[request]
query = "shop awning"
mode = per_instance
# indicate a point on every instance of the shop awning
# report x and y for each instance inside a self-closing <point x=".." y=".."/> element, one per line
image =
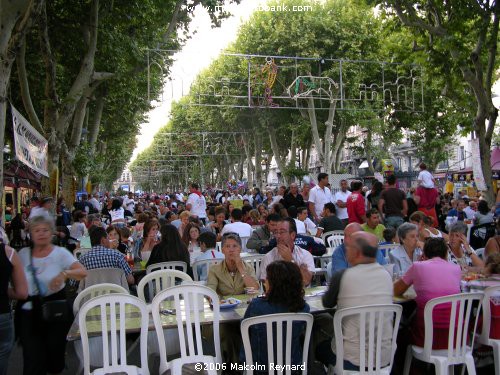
<point x="17" y="175"/>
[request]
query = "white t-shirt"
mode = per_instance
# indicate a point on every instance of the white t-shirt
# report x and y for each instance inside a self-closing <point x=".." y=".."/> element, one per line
<point x="180" y="197"/>
<point x="301" y="227"/>
<point x="117" y="214"/>
<point x="310" y="226"/>
<point x="299" y="256"/>
<point x="243" y="229"/>
<point x="46" y="269"/>
<point x="77" y="230"/>
<point x="425" y="178"/>
<point x="319" y="197"/>
<point x="129" y="204"/>
<point x="198" y="205"/>
<point x="341" y="196"/>
<point x="364" y="284"/>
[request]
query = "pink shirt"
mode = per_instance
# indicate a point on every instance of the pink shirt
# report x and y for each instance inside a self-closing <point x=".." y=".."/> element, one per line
<point x="433" y="278"/>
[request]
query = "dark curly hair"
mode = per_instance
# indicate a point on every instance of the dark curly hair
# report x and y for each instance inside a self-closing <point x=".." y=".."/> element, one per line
<point x="285" y="285"/>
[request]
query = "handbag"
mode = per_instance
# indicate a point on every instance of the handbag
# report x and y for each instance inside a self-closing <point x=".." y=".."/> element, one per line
<point x="51" y="310"/>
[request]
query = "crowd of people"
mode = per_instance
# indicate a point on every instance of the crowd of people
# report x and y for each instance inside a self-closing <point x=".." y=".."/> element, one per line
<point x="286" y="225"/>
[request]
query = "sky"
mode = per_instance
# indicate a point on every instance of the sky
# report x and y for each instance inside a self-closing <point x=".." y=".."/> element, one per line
<point x="197" y="54"/>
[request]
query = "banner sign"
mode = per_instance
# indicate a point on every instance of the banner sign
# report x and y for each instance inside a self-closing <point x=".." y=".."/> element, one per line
<point x="31" y="147"/>
<point x="476" y="165"/>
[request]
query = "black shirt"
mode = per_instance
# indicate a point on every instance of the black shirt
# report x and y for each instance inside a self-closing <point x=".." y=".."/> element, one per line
<point x="290" y="200"/>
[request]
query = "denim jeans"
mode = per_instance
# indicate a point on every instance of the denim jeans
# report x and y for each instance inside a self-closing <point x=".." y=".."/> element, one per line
<point x="6" y="340"/>
<point x="393" y="221"/>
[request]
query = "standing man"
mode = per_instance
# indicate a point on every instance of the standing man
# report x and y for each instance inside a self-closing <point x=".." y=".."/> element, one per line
<point x="392" y="204"/>
<point x="129" y="203"/>
<point x="293" y="197"/>
<point x="356" y="207"/>
<point x="196" y="203"/>
<point x="340" y="201"/>
<point x="287" y="250"/>
<point x="319" y="196"/>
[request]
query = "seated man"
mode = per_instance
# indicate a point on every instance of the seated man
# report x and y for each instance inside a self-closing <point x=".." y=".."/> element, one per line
<point x="302" y="215"/>
<point x="101" y="256"/>
<point x="207" y="245"/>
<point x="260" y="237"/>
<point x="242" y="229"/>
<point x="373" y="225"/>
<point x="365" y="283"/>
<point x="329" y="220"/>
<point x="287" y="250"/>
<point x="339" y="256"/>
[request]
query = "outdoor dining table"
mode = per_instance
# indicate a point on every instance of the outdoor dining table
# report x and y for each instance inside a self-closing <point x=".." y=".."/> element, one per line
<point x="313" y="297"/>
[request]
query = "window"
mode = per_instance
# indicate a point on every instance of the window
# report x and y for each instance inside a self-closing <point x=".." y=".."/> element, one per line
<point x="461" y="154"/>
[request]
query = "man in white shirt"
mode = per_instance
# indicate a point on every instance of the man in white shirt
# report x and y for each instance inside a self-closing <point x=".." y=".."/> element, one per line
<point x="365" y="283"/>
<point x="470" y="210"/>
<point x="197" y="204"/>
<point x="236" y="226"/>
<point x="129" y="203"/>
<point x="94" y="201"/>
<point x="340" y="201"/>
<point x="310" y="227"/>
<point x="318" y="196"/>
<point x="287" y="250"/>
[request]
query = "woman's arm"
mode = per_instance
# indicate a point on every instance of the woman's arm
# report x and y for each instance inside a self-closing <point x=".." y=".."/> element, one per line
<point x="19" y="282"/>
<point x="400" y="287"/>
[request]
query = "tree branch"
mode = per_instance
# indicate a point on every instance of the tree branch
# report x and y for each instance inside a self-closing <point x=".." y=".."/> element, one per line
<point x="101" y="76"/>
<point x="413" y="20"/>
<point x="96" y="123"/>
<point x="173" y="22"/>
<point x="492" y="50"/>
<point x="25" y="89"/>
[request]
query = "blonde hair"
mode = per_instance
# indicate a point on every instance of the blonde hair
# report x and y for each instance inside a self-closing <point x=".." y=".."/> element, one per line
<point x="184" y="214"/>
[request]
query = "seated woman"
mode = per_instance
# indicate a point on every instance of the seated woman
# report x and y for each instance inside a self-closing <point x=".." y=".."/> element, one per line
<point x="231" y="276"/>
<point x="460" y="252"/>
<point x="219" y="222"/>
<point x="284" y="293"/>
<point x="170" y="248"/>
<point x="425" y="226"/>
<point x="190" y="237"/>
<point x="117" y="213"/>
<point x="432" y="278"/>
<point x="409" y="252"/>
<point x="483" y="214"/>
<point x="493" y="244"/>
<point x="144" y="246"/>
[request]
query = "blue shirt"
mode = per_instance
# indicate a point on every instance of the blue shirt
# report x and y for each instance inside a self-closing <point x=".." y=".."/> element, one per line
<point x="258" y="335"/>
<point x="339" y="260"/>
<point x="202" y="269"/>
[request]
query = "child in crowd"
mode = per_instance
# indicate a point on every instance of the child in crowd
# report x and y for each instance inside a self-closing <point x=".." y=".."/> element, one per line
<point x="425" y="178"/>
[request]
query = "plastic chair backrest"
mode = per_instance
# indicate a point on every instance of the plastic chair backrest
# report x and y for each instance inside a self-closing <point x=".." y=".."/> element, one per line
<point x="113" y="331"/>
<point x="462" y="306"/>
<point x="159" y="280"/>
<point x="94" y="291"/>
<point x="337" y="233"/>
<point x="485" y="332"/>
<point x="99" y="276"/>
<point x="204" y="263"/>
<point x="254" y="261"/>
<point x="167" y="266"/>
<point x="335" y="240"/>
<point x="186" y="300"/>
<point x="276" y="326"/>
<point x="373" y="319"/>
<point x="244" y="240"/>
<point x="386" y="250"/>
<point x="218" y="246"/>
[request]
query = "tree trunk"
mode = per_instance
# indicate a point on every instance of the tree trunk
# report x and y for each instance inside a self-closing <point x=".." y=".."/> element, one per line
<point x="276" y="152"/>
<point x="258" y="159"/>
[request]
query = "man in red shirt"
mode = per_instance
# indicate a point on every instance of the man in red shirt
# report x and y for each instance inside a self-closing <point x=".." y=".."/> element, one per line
<point x="356" y="204"/>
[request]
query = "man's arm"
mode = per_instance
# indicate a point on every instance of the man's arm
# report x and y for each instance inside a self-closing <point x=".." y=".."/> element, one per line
<point x="306" y="274"/>
<point x="331" y="296"/>
<point x="339" y="262"/>
<point x="405" y="207"/>
<point x="313" y="211"/>
<point x="380" y="205"/>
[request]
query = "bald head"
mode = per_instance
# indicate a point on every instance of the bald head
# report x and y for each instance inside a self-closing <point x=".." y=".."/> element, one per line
<point x="362" y="248"/>
<point x="349" y="231"/>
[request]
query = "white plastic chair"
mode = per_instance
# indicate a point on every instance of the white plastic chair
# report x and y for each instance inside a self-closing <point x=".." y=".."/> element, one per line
<point x="94" y="291"/>
<point x="386" y="250"/>
<point x="204" y="263"/>
<point x="244" y="241"/>
<point x="190" y="337"/>
<point x="458" y="352"/>
<point x="278" y="327"/>
<point x="158" y="281"/>
<point x="374" y="323"/>
<point x="114" y="341"/>
<point x="333" y="238"/>
<point x="167" y="266"/>
<point x="254" y="260"/>
<point x="484" y="338"/>
<point x="218" y="246"/>
<point x="95" y="343"/>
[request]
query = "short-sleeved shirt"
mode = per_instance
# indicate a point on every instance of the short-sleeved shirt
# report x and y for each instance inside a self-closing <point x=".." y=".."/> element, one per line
<point x="220" y="279"/>
<point x="330" y="223"/>
<point x="117" y="214"/>
<point x="101" y="257"/>
<point x="242" y="229"/>
<point x="399" y="257"/>
<point x="393" y="198"/>
<point x="341" y="196"/>
<point x="319" y="197"/>
<point x="299" y="256"/>
<point x="356" y="208"/>
<point x="208" y="254"/>
<point x="45" y="269"/>
<point x="378" y="231"/>
<point x="198" y="205"/>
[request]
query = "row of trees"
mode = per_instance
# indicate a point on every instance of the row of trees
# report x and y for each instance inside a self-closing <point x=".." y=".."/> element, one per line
<point x="78" y="71"/>
<point x="457" y="65"/>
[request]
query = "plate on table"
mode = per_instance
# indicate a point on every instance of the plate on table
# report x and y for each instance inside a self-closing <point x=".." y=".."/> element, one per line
<point x="229" y="303"/>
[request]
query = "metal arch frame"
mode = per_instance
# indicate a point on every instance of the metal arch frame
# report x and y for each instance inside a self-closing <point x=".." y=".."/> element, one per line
<point x="409" y="94"/>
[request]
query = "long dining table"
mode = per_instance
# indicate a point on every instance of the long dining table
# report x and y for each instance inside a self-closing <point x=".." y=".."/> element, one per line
<point x="313" y="297"/>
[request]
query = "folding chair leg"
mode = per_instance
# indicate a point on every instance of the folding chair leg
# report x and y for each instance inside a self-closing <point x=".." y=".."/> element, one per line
<point x="471" y="368"/>
<point x="408" y="359"/>
<point x="441" y="367"/>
